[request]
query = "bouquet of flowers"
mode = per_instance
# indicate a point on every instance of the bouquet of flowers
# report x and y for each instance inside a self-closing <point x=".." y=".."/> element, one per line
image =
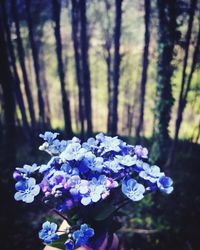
<point x="86" y="183"/>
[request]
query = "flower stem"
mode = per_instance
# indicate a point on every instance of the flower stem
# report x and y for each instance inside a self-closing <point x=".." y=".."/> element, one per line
<point x="63" y="216"/>
<point x="120" y="206"/>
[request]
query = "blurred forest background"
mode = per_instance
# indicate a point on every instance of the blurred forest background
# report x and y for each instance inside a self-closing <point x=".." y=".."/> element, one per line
<point x="127" y="67"/>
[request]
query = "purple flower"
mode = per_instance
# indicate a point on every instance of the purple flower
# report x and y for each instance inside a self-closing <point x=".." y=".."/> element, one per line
<point x="141" y="152"/>
<point x="81" y="236"/>
<point x="165" y="183"/>
<point x="26" y="190"/>
<point x="133" y="190"/>
<point x="48" y="232"/>
<point x="58" y="177"/>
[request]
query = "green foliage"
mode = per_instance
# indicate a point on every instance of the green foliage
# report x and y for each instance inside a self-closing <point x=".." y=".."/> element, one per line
<point x="106" y="212"/>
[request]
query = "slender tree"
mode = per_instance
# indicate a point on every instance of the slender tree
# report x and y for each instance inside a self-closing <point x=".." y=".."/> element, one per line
<point x="116" y="66"/>
<point x="198" y="134"/>
<point x="107" y="46"/>
<point x="139" y="128"/>
<point x="164" y="100"/>
<point x="85" y="66"/>
<point x="185" y="86"/>
<point x="17" y="88"/>
<point x="21" y="55"/>
<point x="44" y="85"/>
<point x="65" y="99"/>
<point x="35" y="62"/>
<point x="8" y="153"/>
<point x="77" y="59"/>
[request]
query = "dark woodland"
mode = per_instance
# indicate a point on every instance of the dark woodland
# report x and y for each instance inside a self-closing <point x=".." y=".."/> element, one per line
<point x="121" y="67"/>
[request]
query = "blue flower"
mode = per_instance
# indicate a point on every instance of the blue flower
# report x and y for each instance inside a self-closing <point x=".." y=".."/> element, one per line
<point x="54" y="147"/>
<point x="126" y="160"/>
<point x="73" y="151"/>
<point x="139" y="165"/>
<point x="66" y="167"/>
<point x="48" y="232"/>
<point x="81" y="236"/>
<point x="92" y="162"/>
<point x="27" y="169"/>
<point x="113" y="165"/>
<point x="48" y="136"/>
<point x="133" y="190"/>
<point x="165" y="183"/>
<point x="110" y="144"/>
<point x="53" y="163"/>
<point x="69" y="245"/>
<point x="63" y="145"/>
<point x="91" y="144"/>
<point x="27" y="190"/>
<point x="150" y="173"/>
<point x="77" y="186"/>
<point x="97" y="187"/>
<point x="57" y="147"/>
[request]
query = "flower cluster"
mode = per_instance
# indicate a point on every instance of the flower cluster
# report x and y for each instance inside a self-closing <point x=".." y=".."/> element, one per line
<point x="81" y="174"/>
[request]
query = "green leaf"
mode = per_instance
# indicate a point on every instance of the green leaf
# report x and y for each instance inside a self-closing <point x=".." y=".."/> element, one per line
<point x="60" y="243"/>
<point x="105" y="213"/>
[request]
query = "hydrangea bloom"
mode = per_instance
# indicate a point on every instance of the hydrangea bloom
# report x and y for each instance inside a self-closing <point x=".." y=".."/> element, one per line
<point x="133" y="190"/>
<point x="81" y="236"/>
<point x="26" y="190"/>
<point x="48" y="232"/>
<point x="82" y="177"/>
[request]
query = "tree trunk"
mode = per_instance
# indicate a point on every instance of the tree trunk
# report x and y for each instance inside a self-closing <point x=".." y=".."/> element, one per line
<point x="185" y="86"/>
<point x="144" y="68"/>
<point x="18" y="93"/>
<point x="164" y="101"/>
<point x="116" y="66"/>
<point x="108" y="38"/>
<point x="198" y="134"/>
<point x="85" y="66"/>
<point x="8" y="149"/>
<point x="35" y="63"/>
<point x="110" y="88"/>
<point x="45" y="86"/>
<point x="21" y="55"/>
<point x="65" y="99"/>
<point x="75" y="38"/>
